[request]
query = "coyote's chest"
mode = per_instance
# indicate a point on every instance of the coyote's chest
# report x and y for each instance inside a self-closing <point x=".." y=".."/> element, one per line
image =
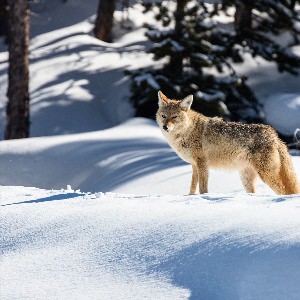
<point x="181" y="146"/>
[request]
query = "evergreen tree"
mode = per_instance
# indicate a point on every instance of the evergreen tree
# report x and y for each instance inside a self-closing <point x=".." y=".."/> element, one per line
<point x="256" y="32"/>
<point x="198" y="56"/>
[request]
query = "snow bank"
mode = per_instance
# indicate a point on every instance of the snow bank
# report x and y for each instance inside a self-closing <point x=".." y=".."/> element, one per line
<point x="130" y="158"/>
<point x="68" y="245"/>
<point x="283" y="112"/>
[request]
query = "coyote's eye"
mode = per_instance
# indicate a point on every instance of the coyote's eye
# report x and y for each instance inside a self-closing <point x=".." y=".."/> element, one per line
<point x="163" y="116"/>
<point x="174" y="117"/>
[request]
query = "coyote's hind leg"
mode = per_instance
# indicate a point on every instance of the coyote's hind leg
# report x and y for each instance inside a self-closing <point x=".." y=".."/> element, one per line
<point x="248" y="176"/>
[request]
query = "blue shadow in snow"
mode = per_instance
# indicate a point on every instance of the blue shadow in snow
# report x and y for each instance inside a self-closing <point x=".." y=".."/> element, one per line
<point x="58" y="197"/>
<point x="217" y="269"/>
<point x="88" y="165"/>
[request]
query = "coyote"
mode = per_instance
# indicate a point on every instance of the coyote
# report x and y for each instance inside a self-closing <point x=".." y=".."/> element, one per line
<point x="253" y="149"/>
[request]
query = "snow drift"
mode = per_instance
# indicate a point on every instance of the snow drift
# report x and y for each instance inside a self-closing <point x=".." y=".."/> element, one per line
<point x="68" y="245"/>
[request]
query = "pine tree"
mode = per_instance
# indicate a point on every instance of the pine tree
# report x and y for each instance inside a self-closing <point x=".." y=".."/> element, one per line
<point x="256" y="32"/>
<point x="198" y="57"/>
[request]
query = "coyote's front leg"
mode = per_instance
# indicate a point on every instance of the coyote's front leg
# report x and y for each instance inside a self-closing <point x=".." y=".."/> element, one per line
<point x="202" y="169"/>
<point x="195" y="180"/>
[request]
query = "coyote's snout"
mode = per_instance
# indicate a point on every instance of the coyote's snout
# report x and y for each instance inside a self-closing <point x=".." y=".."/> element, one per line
<point x="168" y="127"/>
<point x="254" y="149"/>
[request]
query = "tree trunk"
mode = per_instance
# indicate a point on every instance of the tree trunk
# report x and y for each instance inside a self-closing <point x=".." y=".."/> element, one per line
<point x="243" y="17"/>
<point x="176" y="61"/>
<point x="17" y="110"/>
<point x="293" y="4"/>
<point x="3" y="18"/>
<point x="104" y="20"/>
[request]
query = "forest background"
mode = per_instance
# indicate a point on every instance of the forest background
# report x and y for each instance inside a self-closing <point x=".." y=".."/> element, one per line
<point x="197" y="47"/>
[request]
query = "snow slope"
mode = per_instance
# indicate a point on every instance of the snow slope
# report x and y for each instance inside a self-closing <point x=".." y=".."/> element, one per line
<point x="62" y="244"/>
<point x="278" y="107"/>
<point x="130" y="158"/>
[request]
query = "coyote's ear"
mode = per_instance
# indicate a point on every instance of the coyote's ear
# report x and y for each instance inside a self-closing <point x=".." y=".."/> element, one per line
<point x="186" y="103"/>
<point x="162" y="99"/>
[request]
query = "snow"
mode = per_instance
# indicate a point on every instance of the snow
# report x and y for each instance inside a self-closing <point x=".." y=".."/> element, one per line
<point x="95" y="204"/>
<point x="120" y="159"/>
<point x="280" y="107"/>
<point x="208" y="97"/>
<point x="67" y="245"/>
<point x="149" y="79"/>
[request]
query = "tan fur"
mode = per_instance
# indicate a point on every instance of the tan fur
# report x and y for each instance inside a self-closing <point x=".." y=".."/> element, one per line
<point x="254" y="149"/>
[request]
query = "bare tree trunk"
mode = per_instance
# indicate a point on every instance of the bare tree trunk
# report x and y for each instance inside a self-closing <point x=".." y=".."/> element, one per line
<point x="293" y="4"/>
<point x="176" y="62"/>
<point x="3" y="18"/>
<point x="243" y="16"/>
<point x="104" y="20"/>
<point x="17" y="110"/>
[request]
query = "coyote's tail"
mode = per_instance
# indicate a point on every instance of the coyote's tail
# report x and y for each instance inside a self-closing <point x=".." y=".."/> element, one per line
<point x="287" y="173"/>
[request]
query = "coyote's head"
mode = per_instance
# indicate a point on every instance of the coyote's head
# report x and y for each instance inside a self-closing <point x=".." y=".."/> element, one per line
<point x="172" y="114"/>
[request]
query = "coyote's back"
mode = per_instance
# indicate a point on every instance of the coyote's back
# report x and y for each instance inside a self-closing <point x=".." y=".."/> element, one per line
<point x="254" y="149"/>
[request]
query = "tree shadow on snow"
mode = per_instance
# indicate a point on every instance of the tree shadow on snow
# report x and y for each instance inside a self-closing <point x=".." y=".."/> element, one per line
<point x="90" y="165"/>
<point x="95" y="98"/>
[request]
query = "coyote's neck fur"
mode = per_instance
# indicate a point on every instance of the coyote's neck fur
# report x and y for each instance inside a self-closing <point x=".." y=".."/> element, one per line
<point x="182" y="138"/>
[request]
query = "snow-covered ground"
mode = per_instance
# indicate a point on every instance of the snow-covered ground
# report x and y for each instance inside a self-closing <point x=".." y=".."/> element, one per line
<point x="130" y="158"/>
<point x="62" y="244"/>
<point x="137" y="235"/>
<point x="68" y="245"/>
<point x="277" y="113"/>
<point x="104" y="214"/>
